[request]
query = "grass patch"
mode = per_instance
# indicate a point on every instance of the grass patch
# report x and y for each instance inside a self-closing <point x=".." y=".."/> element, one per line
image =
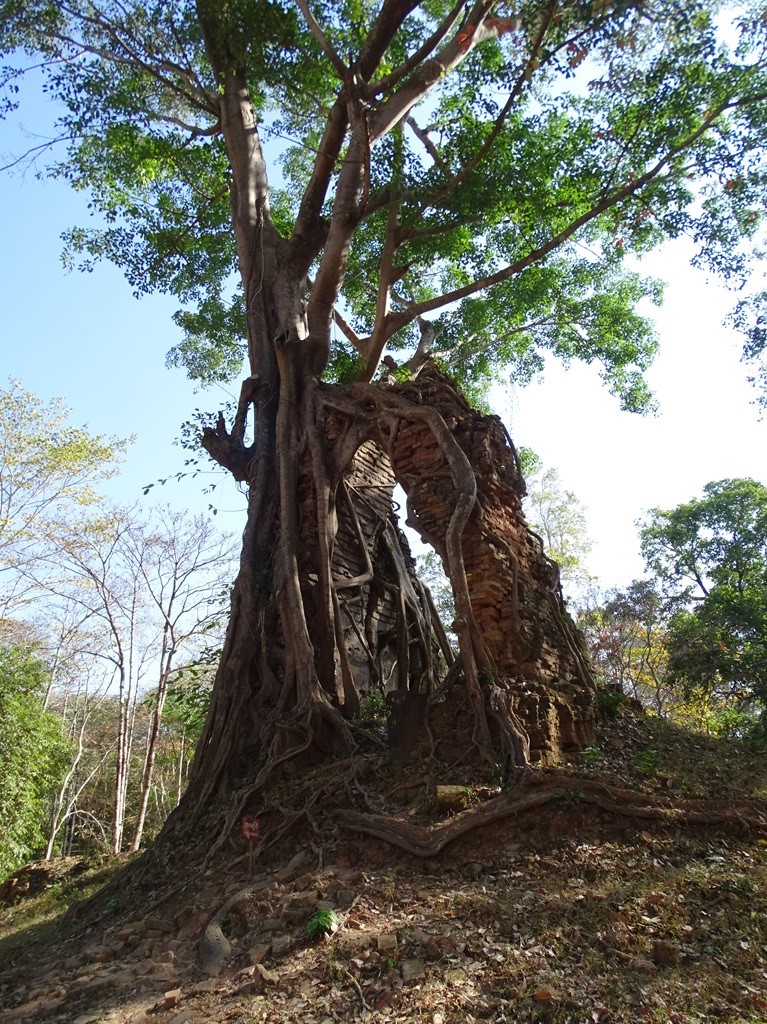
<point x="37" y="917"/>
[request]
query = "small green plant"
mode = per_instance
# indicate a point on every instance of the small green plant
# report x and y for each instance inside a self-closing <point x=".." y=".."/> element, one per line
<point x="322" y="922"/>
<point x="740" y="885"/>
<point x="371" y="722"/>
<point x="648" y="761"/>
<point x="593" y="755"/>
<point x="610" y="702"/>
<point x="373" y="713"/>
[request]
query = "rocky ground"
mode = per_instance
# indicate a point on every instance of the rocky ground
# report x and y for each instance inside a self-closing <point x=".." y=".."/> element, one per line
<point x="565" y="914"/>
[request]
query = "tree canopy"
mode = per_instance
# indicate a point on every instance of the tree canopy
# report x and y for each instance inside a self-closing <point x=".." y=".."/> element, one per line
<point x="47" y="467"/>
<point x="33" y="753"/>
<point x="709" y="555"/>
<point x="467" y="179"/>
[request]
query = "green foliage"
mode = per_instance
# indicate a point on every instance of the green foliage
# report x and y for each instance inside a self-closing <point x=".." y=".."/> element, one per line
<point x="648" y="761"/>
<point x="750" y="318"/>
<point x="322" y="922"/>
<point x="46" y="467"/>
<point x="611" y="702"/>
<point x="530" y="461"/>
<point x="518" y="180"/>
<point x="710" y="555"/>
<point x="33" y="755"/>
<point x="188" y="698"/>
<point x="373" y="713"/>
<point x="213" y="348"/>
<point x="592" y="755"/>
<point x="345" y="364"/>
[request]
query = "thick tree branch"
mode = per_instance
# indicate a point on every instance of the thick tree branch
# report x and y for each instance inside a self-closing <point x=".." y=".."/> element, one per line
<point x="386" y="279"/>
<point x="425" y="77"/>
<point x="348" y="209"/>
<point x="325" y="45"/>
<point x="384" y="85"/>
<point x="402" y="318"/>
<point x="382" y="32"/>
<point x="305" y="242"/>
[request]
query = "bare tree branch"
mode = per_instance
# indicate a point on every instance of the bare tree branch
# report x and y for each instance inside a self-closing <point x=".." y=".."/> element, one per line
<point x="325" y="45"/>
<point x="29" y="154"/>
<point x="361" y="344"/>
<point x="428" y="144"/>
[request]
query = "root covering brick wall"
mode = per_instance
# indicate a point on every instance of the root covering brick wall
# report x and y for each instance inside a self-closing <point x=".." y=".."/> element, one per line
<point x="514" y="588"/>
<point x="369" y="609"/>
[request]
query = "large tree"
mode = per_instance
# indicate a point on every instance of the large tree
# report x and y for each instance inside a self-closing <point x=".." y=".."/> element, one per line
<point x="391" y="182"/>
<point x="710" y="556"/>
<point x="48" y="469"/>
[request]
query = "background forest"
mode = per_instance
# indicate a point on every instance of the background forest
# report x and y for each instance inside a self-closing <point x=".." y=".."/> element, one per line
<point x="112" y="622"/>
<point x="340" y="199"/>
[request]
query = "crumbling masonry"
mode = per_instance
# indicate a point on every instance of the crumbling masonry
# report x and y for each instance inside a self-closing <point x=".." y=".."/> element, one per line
<point x="514" y="588"/>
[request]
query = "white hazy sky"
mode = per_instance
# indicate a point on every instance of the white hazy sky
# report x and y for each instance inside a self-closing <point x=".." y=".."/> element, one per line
<point x="84" y="337"/>
<point x="619" y="464"/>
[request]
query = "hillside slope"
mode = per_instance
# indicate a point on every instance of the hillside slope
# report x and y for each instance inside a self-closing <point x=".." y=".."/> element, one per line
<point x="566" y="913"/>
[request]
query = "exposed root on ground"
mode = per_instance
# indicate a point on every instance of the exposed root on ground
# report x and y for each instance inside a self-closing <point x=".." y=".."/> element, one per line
<point x="537" y="790"/>
<point x="214" y="947"/>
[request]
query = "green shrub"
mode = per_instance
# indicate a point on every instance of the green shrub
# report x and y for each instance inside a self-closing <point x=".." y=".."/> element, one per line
<point x="611" y="702"/>
<point x="33" y="756"/>
<point x="322" y="922"/>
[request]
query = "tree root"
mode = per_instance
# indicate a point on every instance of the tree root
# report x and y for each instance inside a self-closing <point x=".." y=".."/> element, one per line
<point x="214" y="947"/>
<point x="536" y="790"/>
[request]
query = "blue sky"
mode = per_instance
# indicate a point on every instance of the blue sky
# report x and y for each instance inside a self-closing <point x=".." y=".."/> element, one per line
<point x="85" y="338"/>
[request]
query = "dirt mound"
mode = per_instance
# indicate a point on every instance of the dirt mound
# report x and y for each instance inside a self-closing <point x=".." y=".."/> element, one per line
<point x="36" y="877"/>
<point x="566" y="914"/>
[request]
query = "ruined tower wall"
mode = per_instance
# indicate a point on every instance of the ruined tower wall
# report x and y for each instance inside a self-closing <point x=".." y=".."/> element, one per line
<point x="513" y="586"/>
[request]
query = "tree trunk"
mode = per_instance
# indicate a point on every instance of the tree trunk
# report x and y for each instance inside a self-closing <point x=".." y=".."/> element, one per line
<point x="122" y="764"/>
<point x="327" y="605"/>
<point x="150" y="755"/>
